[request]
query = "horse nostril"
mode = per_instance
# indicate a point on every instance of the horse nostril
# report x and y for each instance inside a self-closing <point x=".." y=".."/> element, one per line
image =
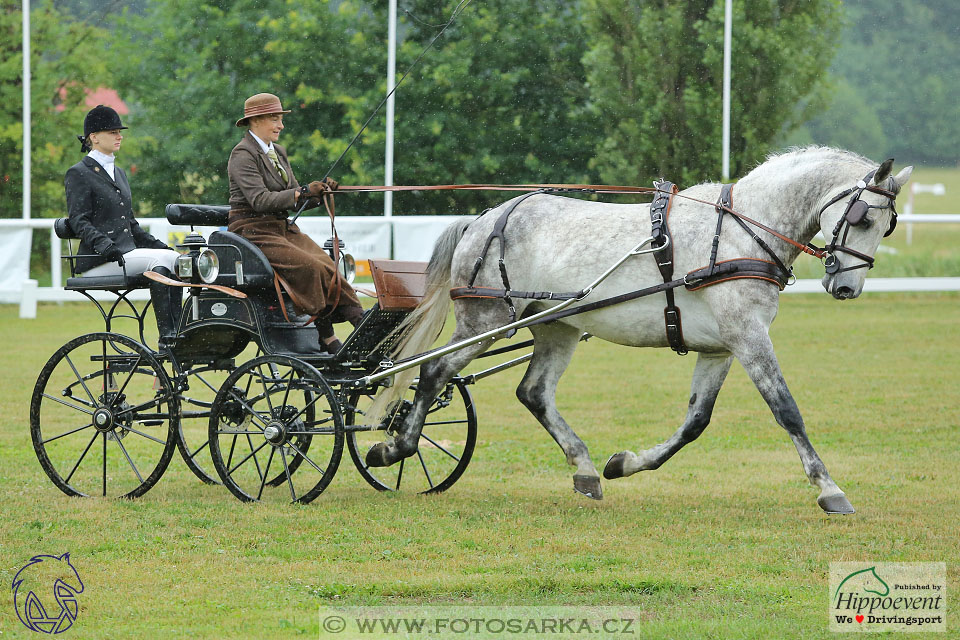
<point x="844" y="292"/>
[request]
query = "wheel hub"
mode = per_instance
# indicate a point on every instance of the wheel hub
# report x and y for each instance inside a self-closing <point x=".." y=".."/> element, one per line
<point x="275" y="433"/>
<point x="103" y="420"/>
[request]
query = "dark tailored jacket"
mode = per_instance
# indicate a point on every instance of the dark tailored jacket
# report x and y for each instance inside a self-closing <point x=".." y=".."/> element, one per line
<point x="101" y="213"/>
<point x="255" y="183"/>
<point x="259" y="201"/>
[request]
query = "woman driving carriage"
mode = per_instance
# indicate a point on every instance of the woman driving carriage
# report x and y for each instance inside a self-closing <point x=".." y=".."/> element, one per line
<point x="100" y="207"/>
<point x="262" y="190"/>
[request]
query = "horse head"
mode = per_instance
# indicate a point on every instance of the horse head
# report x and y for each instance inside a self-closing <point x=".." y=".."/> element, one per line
<point x="855" y="226"/>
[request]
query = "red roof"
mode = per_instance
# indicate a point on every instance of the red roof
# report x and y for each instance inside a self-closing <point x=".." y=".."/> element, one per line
<point x="100" y="95"/>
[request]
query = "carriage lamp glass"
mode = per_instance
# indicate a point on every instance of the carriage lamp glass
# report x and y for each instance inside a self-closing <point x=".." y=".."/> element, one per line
<point x="208" y="265"/>
<point x="348" y="267"/>
<point x="185" y="267"/>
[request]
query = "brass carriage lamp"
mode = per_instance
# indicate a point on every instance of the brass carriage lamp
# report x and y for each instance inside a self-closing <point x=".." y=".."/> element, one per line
<point x="200" y="261"/>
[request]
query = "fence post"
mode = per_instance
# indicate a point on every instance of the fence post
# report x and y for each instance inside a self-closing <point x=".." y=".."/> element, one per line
<point x="28" y="299"/>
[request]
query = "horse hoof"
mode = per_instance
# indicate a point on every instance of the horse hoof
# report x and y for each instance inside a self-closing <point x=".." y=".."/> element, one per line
<point x="836" y="503"/>
<point x="615" y="466"/>
<point x="588" y="486"/>
<point x="377" y="456"/>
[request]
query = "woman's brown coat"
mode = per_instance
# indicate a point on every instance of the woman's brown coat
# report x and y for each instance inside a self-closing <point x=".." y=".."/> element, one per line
<point x="259" y="202"/>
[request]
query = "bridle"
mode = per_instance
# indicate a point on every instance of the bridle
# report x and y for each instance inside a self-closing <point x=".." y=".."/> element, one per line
<point x="855" y="215"/>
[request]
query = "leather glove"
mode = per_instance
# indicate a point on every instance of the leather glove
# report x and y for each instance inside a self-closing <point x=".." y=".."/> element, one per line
<point x="331" y="183"/>
<point x="114" y="254"/>
<point x="316" y="189"/>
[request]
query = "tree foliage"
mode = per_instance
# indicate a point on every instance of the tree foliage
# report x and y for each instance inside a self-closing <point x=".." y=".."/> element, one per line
<point x="66" y="58"/>
<point x="655" y="71"/>
<point x="899" y="65"/>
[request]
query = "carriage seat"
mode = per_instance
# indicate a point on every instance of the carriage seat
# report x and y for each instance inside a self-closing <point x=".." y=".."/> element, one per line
<point x="64" y="231"/>
<point x="209" y="215"/>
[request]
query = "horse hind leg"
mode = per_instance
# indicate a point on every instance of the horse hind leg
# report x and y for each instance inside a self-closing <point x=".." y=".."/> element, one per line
<point x="708" y="376"/>
<point x="553" y="348"/>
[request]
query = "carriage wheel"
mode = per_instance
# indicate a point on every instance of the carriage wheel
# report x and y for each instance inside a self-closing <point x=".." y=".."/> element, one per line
<point x="274" y="416"/>
<point x="104" y="417"/>
<point x="204" y="382"/>
<point x="444" y="451"/>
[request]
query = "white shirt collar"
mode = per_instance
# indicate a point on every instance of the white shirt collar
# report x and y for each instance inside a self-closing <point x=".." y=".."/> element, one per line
<point x="267" y="148"/>
<point x="104" y="160"/>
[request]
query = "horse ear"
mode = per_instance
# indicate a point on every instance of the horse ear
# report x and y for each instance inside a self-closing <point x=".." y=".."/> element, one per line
<point x="883" y="172"/>
<point x="903" y="176"/>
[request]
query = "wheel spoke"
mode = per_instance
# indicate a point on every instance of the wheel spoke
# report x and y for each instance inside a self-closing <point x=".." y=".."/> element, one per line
<point x="286" y="389"/>
<point x="427" y="424"/>
<point x="199" y="449"/>
<point x="67" y="404"/>
<point x="430" y="440"/>
<point x="76" y="466"/>
<point x="253" y="412"/>
<point x="80" y="379"/>
<point x="304" y="456"/>
<point x="263" y="480"/>
<point x="252" y="454"/>
<point x="286" y="471"/>
<point x="66" y="434"/>
<point x="145" y="435"/>
<point x="424" y="465"/>
<point x="127" y="456"/>
<point x="104" y="463"/>
<point x="232" y="446"/>
<point x="263" y="382"/>
<point x="400" y="474"/>
<point x="127" y="381"/>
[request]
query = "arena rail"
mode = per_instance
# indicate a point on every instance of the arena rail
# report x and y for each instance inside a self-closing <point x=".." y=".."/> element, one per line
<point x="400" y="237"/>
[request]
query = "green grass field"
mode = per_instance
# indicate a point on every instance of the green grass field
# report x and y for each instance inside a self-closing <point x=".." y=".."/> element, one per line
<point x="724" y="541"/>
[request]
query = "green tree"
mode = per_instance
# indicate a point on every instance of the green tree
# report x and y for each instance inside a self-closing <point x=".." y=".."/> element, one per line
<point x="186" y="68"/>
<point x="66" y="58"/>
<point x="501" y="99"/>
<point x="901" y="59"/>
<point x="655" y="71"/>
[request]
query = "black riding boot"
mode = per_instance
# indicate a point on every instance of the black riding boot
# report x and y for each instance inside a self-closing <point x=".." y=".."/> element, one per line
<point x="167" y="303"/>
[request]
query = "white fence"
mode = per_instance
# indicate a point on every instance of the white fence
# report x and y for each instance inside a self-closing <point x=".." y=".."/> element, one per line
<point x="402" y="238"/>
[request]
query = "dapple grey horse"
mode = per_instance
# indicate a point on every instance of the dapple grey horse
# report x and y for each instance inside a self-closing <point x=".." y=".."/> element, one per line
<point x="560" y="244"/>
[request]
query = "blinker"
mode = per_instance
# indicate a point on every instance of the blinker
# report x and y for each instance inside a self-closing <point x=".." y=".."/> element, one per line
<point x="856" y="212"/>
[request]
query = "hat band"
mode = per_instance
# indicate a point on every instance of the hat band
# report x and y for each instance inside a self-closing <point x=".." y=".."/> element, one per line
<point x="262" y="109"/>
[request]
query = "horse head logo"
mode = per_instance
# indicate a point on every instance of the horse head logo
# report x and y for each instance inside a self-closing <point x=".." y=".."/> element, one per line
<point x="867" y="580"/>
<point x="39" y="577"/>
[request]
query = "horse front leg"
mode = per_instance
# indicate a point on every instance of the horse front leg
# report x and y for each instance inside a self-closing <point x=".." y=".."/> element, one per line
<point x="433" y="376"/>
<point x="708" y="376"/>
<point x="760" y="362"/>
<point x="553" y="347"/>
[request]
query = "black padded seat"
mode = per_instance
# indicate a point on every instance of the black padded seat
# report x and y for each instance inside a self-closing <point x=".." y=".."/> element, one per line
<point x="209" y="215"/>
<point x="107" y="283"/>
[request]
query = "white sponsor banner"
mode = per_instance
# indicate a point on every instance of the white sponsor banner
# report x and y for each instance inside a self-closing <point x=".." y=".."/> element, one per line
<point x="363" y="237"/>
<point x="14" y="259"/>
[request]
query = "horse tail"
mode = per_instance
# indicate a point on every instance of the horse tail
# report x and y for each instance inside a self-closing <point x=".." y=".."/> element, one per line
<point x="421" y="328"/>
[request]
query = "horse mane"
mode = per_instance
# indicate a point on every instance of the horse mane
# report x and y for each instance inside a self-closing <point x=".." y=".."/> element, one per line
<point x="794" y="155"/>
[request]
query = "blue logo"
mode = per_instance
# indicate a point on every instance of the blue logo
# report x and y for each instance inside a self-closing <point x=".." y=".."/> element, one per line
<point x="32" y="588"/>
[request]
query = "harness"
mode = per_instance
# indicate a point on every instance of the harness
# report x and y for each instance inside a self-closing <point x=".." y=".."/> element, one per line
<point x="773" y="270"/>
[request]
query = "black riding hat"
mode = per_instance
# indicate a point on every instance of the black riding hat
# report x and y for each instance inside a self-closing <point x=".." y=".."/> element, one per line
<point x="100" y="118"/>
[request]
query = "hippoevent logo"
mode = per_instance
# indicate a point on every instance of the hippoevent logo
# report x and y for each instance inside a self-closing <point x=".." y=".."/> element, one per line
<point x="888" y="596"/>
<point x="45" y="593"/>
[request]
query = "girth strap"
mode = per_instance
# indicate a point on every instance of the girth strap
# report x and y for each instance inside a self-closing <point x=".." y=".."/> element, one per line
<point x="660" y="230"/>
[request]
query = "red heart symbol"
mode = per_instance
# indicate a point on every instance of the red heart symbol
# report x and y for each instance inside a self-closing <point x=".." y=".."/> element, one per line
<point x="859" y="618"/>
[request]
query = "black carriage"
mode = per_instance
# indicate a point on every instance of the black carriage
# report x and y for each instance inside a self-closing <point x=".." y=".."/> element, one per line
<point x="108" y="411"/>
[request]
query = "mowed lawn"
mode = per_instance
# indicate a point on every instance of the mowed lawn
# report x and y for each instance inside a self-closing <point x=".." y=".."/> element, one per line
<point x="724" y="541"/>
